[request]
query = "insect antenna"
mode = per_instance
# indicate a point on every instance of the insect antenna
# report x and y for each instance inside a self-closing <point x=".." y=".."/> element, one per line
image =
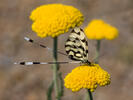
<point x="43" y="46"/>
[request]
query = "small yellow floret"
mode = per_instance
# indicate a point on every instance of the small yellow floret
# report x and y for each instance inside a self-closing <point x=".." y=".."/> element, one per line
<point x="98" y="29"/>
<point x="55" y="19"/>
<point x="87" y="77"/>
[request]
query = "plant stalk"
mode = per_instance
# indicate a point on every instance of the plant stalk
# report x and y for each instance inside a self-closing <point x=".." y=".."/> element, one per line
<point x="55" y="68"/>
<point x="50" y="90"/>
<point x="90" y="95"/>
<point x="97" y="51"/>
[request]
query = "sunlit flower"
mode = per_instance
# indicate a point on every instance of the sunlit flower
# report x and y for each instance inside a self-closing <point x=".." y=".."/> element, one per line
<point x="98" y="29"/>
<point x="87" y="77"/>
<point x="55" y="19"/>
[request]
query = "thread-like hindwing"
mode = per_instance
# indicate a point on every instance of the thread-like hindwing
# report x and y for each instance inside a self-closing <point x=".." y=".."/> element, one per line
<point x="76" y="45"/>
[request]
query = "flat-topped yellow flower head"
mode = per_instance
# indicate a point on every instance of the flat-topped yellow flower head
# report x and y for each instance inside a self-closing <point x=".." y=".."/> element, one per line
<point x="55" y="19"/>
<point x="98" y="29"/>
<point x="86" y="77"/>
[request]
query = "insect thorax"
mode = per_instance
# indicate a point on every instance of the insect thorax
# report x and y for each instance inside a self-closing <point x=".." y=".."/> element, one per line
<point x="86" y="62"/>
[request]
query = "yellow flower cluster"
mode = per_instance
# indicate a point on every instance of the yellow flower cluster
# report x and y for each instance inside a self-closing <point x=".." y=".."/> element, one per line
<point x="98" y="29"/>
<point x="86" y="77"/>
<point x="55" y="19"/>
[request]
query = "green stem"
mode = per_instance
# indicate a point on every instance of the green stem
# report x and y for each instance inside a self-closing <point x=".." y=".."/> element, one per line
<point x="61" y="92"/>
<point x="49" y="92"/>
<point x="90" y="94"/>
<point x="55" y="68"/>
<point x="97" y="51"/>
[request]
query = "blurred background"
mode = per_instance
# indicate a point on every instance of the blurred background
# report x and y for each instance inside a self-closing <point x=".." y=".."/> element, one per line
<point x="31" y="83"/>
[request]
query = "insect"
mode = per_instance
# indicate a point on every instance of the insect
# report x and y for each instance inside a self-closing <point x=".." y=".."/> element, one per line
<point x="76" y="48"/>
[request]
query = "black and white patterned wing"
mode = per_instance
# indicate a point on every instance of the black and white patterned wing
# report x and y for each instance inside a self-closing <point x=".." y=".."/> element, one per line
<point x="76" y="45"/>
